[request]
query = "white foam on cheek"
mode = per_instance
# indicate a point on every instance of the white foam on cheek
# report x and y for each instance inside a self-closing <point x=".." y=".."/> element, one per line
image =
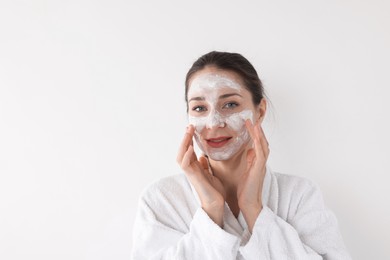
<point x="212" y="119"/>
<point x="198" y="122"/>
<point x="237" y="121"/>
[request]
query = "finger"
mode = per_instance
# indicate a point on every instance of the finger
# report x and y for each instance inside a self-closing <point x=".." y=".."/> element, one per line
<point x="204" y="163"/>
<point x="249" y="127"/>
<point x="194" y="157"/>
<point x="263" y="141"/>
<point x="186" y="161"/>
<point x="187" y="141"/>
<point x="253" y="132"/>
<point x="251" y="163"/>
<point x="250" y="157"/>
<point x="257" y="141"/>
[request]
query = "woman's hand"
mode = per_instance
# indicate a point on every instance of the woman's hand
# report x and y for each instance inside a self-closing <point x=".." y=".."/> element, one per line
<point x="208" y="187"/>
<point x="249" y="189"/>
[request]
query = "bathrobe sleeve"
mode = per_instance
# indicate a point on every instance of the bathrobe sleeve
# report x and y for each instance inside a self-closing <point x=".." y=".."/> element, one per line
<point x="311" y="233"/>
<point x="161" y="231"/>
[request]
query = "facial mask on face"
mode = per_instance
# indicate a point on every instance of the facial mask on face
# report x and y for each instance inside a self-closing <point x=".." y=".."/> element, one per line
<point x="209" y="85"/>
<point x="237" y="123"/>
<point x="213" y="82"/>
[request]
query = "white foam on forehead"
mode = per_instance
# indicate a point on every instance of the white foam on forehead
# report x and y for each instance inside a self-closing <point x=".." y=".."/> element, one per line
<point x="212" y="82"/>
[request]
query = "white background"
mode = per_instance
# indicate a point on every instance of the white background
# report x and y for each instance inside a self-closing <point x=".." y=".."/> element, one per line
<point x="92" y="111"/>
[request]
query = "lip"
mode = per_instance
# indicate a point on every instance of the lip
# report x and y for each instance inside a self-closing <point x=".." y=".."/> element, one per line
<point x="218" y="142"/>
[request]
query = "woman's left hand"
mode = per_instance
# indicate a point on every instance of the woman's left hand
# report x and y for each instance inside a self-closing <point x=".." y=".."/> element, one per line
<point x="250" y="188"/>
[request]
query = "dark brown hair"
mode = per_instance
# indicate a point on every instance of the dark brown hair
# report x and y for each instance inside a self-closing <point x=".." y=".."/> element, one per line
<point x="233" y="62"/>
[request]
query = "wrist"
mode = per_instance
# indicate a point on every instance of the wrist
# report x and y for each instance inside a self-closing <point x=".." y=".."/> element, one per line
<point x="250" y="206"/>
<point x="215" y="212"/>
<point x="250" y="215"/>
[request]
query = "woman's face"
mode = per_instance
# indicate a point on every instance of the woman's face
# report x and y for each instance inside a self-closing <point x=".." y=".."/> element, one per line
<point x="218" y="105"/>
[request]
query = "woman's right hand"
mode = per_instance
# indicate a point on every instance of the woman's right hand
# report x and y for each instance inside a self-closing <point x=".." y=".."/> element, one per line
<point x="208" y="187"/>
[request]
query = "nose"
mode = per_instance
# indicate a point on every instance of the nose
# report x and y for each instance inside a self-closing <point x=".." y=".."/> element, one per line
<point x="214" y="119"/>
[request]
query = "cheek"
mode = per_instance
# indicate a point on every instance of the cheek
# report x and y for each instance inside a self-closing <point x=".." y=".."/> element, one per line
<point x="198" y="122"/>
<point x="237" y="121"/>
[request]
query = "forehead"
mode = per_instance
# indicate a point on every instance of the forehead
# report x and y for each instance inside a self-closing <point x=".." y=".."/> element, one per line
<point x="214" y="80"/>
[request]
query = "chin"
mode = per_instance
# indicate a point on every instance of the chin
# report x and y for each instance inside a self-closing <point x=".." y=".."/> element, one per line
<point x="221" y="154"/>
<point x="218" y="158"/>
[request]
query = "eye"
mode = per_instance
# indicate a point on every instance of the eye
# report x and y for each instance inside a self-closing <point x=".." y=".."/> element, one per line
<point x="231" y="105"/>
<point x="199" y="108"/>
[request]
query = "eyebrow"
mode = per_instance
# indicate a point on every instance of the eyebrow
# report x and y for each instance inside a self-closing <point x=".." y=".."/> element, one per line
<point x="229" y="95"/>
<point x="220" y="97"/>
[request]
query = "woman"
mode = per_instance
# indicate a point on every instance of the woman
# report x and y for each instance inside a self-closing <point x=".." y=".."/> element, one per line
<point x="229" y="204"/>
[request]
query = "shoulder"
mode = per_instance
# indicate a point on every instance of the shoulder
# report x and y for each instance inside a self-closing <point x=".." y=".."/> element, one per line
<point x="167" y="188"/>
<point x="296" y="194"/>
<point x="288" y="182"/>
<point x="167" y="203"/>
<point x="172" y="182"/>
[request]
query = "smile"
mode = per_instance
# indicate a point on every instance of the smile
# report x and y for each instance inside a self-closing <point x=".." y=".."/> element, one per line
<point x="218" y="142"/>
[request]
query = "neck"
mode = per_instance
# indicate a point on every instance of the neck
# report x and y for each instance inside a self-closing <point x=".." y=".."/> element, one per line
<point x="229" y="171"/>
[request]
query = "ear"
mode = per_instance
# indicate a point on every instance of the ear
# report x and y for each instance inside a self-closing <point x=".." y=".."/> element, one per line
<point x="261" y="110"/>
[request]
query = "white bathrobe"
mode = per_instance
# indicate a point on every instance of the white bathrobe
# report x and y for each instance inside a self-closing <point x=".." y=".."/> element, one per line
<point x="293" y="224"/>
